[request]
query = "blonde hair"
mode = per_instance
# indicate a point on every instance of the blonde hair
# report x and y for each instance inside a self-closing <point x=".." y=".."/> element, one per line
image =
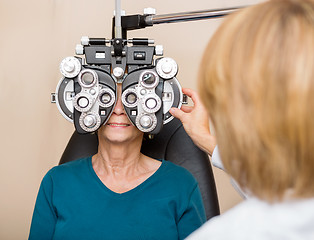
<point x="257" y="82"/>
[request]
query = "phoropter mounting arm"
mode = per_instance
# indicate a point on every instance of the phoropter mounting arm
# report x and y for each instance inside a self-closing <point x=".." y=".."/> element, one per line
<point x="133" y="22"/>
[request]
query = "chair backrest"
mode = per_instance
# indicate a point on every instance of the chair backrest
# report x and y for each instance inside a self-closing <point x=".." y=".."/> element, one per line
<point x="171" y="144"/>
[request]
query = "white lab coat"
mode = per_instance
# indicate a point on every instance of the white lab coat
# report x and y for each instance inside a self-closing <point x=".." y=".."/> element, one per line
<point x="254" y="219"/>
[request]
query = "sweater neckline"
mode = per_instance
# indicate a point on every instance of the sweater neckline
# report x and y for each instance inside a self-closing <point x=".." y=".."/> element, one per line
<point x="131" y="191"/>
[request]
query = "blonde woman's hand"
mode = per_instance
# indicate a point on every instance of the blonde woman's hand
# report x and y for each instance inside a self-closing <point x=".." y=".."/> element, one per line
<point x="195" y="121"/>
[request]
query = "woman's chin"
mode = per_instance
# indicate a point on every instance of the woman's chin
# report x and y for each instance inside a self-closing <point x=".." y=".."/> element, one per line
<point x="122" y="135"/>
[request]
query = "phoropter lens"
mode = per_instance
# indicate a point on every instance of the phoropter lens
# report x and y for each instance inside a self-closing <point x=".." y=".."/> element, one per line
<point x="131" y="98"/>
<point x="105" y="98"/>
<point x="148" y="78"/>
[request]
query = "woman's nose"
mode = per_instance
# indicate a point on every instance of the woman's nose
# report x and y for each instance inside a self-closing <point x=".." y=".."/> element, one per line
<point x="119" y="109"/>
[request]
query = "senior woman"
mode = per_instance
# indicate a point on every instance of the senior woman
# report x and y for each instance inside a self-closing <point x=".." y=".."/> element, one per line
<point x="119" y="193"/>
<point x="257" y="83"/>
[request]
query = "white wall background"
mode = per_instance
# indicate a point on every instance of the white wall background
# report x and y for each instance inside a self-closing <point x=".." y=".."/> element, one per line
<point x="35" y="36"/>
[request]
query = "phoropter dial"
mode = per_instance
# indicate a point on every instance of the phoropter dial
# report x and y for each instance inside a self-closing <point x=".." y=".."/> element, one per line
<point x="167" y="68"/>
<point x="146" y="122"/>
<point x="70" y="67"/>
<point x="90" y="122"/>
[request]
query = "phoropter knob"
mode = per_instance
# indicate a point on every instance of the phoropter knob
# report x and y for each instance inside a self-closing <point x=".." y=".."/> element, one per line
<point x="85" y="40"/>
<point x="79" y="49"/>
<point x="90" y="121"/>
<point x="167" y="68"/>
<point x="70" y="67"/>
<point x="146" y="121"/>
<point x="159" y="50"/>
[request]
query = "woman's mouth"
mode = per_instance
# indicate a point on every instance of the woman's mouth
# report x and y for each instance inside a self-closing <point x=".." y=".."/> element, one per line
<point x="118" y="124"/>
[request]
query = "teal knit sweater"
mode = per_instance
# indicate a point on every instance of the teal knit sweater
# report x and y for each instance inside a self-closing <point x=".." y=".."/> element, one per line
<point x="73" y="203"/>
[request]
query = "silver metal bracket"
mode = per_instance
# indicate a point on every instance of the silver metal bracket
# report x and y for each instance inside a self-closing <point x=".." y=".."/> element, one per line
<point x="53" y="97"/>
<point x="185" y="99"/>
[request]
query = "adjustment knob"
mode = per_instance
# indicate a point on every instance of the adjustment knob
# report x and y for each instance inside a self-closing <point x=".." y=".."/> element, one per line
<point x="85" y="40"/>
<point x="166" y="68"/>
<point x="159" y="50"/>
<point x="92" y="91"/>
<point x="70" y="67"/>
<point x="79" y="49"/>
<point x="89" y="121"/>
<point x="146" y="121"/>
<point x="118" y="72"/>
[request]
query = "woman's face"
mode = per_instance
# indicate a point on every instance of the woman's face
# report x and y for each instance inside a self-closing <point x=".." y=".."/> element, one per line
<point x="119" y="128"/>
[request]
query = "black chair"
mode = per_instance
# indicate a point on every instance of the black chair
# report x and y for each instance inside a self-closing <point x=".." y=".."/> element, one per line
<point x="172" y="144"/>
